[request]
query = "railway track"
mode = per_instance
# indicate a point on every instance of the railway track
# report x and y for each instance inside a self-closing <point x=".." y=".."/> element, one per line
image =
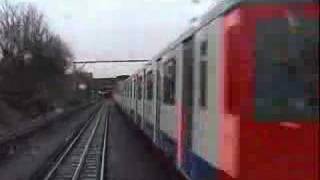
<point x="84" y="156"/>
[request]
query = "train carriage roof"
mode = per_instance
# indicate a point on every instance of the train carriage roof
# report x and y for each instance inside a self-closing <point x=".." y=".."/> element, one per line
<point x="222" y="7"/>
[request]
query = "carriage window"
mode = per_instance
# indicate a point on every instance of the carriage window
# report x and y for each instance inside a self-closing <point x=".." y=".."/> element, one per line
<point x="287" y="70"/>
<point x="169" y="81"/>
<point x="204" y="48"/>
<point x="203" y="73"/>
<point x="149" y="85"/>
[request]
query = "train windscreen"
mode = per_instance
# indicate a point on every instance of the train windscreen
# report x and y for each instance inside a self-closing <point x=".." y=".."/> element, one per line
<point x="287" y="70"/>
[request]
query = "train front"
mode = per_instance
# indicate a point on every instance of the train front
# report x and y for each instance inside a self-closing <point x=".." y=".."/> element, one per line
<point x="272" y="91"/>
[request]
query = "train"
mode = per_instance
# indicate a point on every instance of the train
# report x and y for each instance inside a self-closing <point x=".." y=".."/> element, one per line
<point x="235" y="96"/>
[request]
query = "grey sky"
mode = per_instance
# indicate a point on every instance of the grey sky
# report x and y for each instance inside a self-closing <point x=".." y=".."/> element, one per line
<point x="118" y="29"/>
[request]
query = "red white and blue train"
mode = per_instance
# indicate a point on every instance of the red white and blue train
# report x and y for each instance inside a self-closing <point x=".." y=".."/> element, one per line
<point x="239" y="93"/>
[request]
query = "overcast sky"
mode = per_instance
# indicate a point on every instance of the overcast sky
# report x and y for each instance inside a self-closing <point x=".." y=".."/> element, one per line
<point x="118" y="29"/>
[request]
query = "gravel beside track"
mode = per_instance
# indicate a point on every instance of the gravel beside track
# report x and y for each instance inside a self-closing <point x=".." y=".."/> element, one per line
<point x="32" y="151"/>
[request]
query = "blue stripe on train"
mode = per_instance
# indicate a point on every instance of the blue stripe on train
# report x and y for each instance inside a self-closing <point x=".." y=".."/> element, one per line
<point x="194" y="166"/>
<point x="197" y="168"/>
<point x="201" y="169"/>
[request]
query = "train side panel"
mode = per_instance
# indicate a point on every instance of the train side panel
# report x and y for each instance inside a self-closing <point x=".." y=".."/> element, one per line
<point x="149" y="108"/>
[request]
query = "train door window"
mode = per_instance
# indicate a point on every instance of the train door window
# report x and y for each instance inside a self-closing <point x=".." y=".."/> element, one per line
<point x="134" y="89"/>
<point x="127" y="90"/>
<point x="131" y="90"/>
<point x="149" y="85"/>
<point x="121" y="90"/>
<point x="145" y="85"/>
<point x="203" y="73"/>
<point x="287" y="70"/>
<point x="139" y="83"/>
<point x="129" y="93"/>
<point x="169" y="81"/>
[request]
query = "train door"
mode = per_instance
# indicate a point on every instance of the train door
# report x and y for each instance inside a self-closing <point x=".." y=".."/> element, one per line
<point x="148" y="103"/>
<point x="135" y="101"/>
<point x="131" y="109"/>
<point x="187" y="103"/>
<point x="130" y="97"/>
<point x="158" y="89"/>
<point x="142" y="84"/>
<point x="139" y="100"/>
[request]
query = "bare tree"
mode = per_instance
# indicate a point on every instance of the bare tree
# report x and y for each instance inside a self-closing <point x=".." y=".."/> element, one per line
<point x="33" y="59"/>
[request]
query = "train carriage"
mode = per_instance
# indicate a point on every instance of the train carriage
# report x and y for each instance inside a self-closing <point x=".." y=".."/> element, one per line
<point x="237" y="97"/>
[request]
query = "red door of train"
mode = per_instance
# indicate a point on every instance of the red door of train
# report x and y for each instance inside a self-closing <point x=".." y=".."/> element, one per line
<point x="272" y="74"/>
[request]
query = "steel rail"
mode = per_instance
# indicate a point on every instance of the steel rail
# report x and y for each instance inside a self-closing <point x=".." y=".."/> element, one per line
<point x="104" y="149"/>
<point x="85" y="151"/>
<point x="71" y="145"/>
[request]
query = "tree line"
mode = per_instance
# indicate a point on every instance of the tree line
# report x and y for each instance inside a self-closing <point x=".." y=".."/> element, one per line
<point x="33" y="60"/>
